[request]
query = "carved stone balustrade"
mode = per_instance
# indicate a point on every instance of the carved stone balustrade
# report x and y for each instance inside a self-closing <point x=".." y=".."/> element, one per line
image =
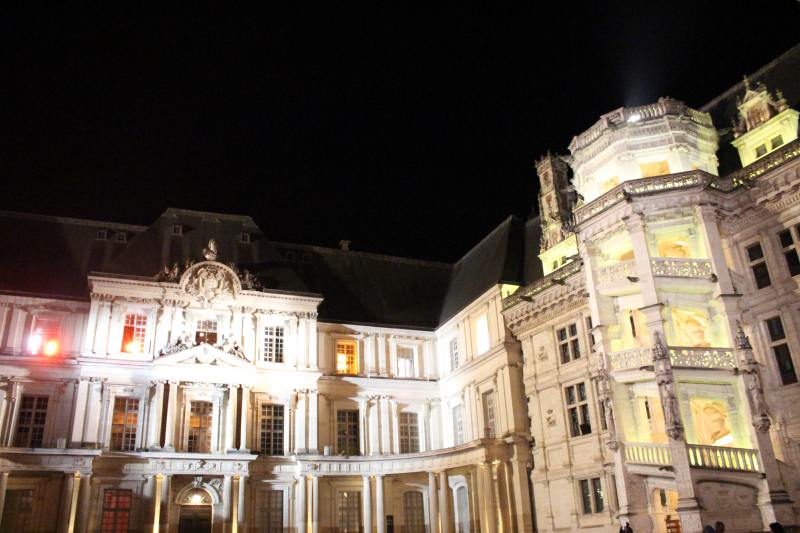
<point x="682" y="268"/>
<point x="647" y="453"/>
<point x="722" y="358"/>
<point x="616" y="272"/>
<point x="630" y="359"/>
<point x="720" y="458"/>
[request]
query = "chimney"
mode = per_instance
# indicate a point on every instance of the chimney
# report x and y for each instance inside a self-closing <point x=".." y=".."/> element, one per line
<point x="345" y="245"/>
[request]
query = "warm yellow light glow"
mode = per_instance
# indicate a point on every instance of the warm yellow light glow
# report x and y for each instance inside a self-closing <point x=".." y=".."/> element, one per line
<point x="51" y="347"/>
<point x="34" y="343"/>
<point x="133" y="347"/>
<point x="196" y="499"/>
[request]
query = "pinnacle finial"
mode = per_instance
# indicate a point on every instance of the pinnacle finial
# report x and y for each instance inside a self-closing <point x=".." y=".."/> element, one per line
<point x="746" y="83"/>
<point x="742" y="341"/>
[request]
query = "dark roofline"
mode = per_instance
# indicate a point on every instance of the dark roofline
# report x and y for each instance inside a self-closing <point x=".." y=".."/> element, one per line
<point x="45" y="295"/>
<point x="738" y="87"/>
<point x="370" y="255"/>
<point x="102" y="224"/>
<point x="487" y="237"/>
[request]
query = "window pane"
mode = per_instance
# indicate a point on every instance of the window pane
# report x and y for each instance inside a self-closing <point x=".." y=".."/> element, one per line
<point x="761" y="275"/>
<point x="574" y="423"/>
<point x="581" y="392"/>
<point x="585" y="496"/>
<point x="775" y="329"/>
<point x="413" y="512"/>
<point x="347" y="432"/>
<point x="570" y="395"/>
<point x="785" y="365"/>
<point x="786" y="238"/>
<point x="597" y="492"/>
<point x="755" y="252"/>
<point x="271" y="429"/>
<point x="793" y="262"/>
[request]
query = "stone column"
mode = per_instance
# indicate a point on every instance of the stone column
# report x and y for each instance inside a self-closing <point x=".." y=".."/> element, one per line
<point x="379" y="511"/>
<point x="315" y="504"/>
<point x="474" y="501"/>
<point x="159" y="481"/>
<point x="3" y="487"/>
<point x="84" y="499"/>
<point x="154" y="419"/>
<point x="172" y="405"/>
<point x="69" y="502"/>
<point x="641" y="254"/>
<point x="445" y="503"/>
<point x="230" y="419"/>
<point x="433" y="504"/>
<point x="301" y="513"/>
<point x="246" y="419"/>
<point x="487" y="497"/>
<point x="233" y="501"/>
<point x="312" y="399"/>
<point x="366" y="502"/>
<point x="92" y="420"/>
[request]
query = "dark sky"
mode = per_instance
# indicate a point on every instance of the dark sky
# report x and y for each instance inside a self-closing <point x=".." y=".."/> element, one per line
<point x="408" y="132"/>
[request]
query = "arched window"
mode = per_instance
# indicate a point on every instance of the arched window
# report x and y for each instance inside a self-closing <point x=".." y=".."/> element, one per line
<point x="413" y="512"/>
<point x="462" y="510"/>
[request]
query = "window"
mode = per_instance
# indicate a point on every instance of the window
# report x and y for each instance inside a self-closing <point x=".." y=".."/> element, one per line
<point x="761" y="149"/>
<point x="780" y="348"/>
<point x="44" y="336"/>
<point x="177" y="229"/>
<point x="454" y="353"/>
<point x="271" y="511"/>
<point x="206" y="332"/>
<point x="346" y="357"/>
<point x="592" y="495"/>
<point x="273" y="344"/>
<point x="17" y="510"/>
<point x="124" y="424"/>
<point x="578" y="410"/>
<point x="133" y="333"/>
<point x="116" y="510"/>
<point x="122" y="236"/>
<point x="200" y="418"/>
<point x="758" y="265"/>
<point x="244" y="238"/>
<point x="101" y="235"/>
<point x="405" y="362"/>
<point x="348" y="511"/>
<point x="488" y="415"/>
<point x="409" y="433"/>
<point x="30" y="424"/>
<point x="347" y="432"/>
<point x="776" y="141"/>
<point x="458" y="425"/>
<point x="789" y="245"/>
<point x="589" y="327"/>
<point x="656" y="168"/>
<point x="568" y="345"/>
<point x="271" y="429"/>
<point x="482" y="334"/>
<point x="413" y="512"/>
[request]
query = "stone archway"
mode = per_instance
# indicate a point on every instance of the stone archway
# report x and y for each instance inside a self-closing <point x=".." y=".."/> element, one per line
<point x="196" y="503"/>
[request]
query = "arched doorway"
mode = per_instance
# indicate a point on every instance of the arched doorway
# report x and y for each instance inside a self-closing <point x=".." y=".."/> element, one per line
<point x="196" y="512"/>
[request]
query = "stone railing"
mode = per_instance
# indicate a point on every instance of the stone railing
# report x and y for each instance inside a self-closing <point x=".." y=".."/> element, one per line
<point x="647" y="453"/>
<point x="629" y="359"/>
<point x="615" y="272"/>
<point x="641" y="187"/>
<point x="682" y="268"/>
<point x="755" y="169"/>
<point x="719" y="458"/>
<point x="702" y="357"/>
<point x="557" y="277"/>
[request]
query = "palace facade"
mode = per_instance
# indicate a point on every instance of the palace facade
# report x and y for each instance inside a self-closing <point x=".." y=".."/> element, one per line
<point x="630" y="355"/>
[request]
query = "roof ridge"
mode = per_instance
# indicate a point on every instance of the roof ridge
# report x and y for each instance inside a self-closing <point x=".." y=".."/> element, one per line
<point x="386" y="257"/>
<point x="485" y="238"/>
<point x="72" y="220"/>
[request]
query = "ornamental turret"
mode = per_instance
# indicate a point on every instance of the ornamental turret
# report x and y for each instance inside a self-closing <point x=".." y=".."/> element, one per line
<point x="556" y="200"/>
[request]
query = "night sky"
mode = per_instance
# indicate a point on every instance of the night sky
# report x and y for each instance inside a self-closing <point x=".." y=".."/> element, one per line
<point x="408" y="132"/>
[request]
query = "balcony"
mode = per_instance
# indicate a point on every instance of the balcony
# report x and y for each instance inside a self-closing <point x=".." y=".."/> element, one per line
<point x="711" y="457"/>
<point x="682" y="268"/>
<point x="616" y="272"/>
<point x="680" y="356"/>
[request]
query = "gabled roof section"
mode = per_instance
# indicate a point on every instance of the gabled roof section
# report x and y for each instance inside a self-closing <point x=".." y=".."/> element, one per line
<point x="497" y="258"/>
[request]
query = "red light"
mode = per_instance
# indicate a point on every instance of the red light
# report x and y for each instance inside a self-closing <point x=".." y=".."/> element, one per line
<point x="51" y="348"/>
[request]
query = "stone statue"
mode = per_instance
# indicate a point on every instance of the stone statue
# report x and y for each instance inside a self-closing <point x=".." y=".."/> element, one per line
<point x="250" y="282"/>
<point x="210" y="251"/>
<point x="666" y="387"/>
<point x="174" y="273"/>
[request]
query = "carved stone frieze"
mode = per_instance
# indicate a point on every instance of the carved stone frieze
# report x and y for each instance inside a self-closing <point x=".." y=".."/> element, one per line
<point x="207" y="281"/>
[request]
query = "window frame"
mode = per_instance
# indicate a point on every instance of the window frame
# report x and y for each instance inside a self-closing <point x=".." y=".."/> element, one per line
<point x="594" y="495"/>
<point x="489" y="405"/>
<point x="115" y="511"/>
<point x="410" y="354"/>
<point x="483" y="336"/>
<point x="128" y="433"/>
<point x="458" y="424"/>
<point x="781" y="342"/>
<point x="271" y="439"/>
<point x="574" y="403"/>
<point x="273" y="344"/>
<point x="206" y="431"/>
<point x="134" y="326"/>
<point x="792" y="248"/>
<point x="54" y="335"/>
<point x="408" y="432"/>
<point x="351" y="367"/>
<point x="759" y="262"/>
<point x="349" y="442"/>
<point x="570" y="341"/>
<point x="33" y="427"/>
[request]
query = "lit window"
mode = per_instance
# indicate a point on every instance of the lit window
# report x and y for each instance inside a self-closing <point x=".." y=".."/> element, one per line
<point x="776" y="141"/>
<point x="206" y="332"/>
<point x="346" y="357"/>
<point x="592" y="496"/>
<point x="177" y="229"/>
<point x="789" y="244"/>
<point x="273" y="344"/>
<point x="116" y="510"/>
<point x="200" y="419"/>
<point x="454" y="353"/>
<point x="482" y="334"/>
<point x="348" y="511"/>
<point x="488" y="415"/>
<point x="413" y="512"/>
<point x="101" y="235"/>
<point x="458" y="425"/>
<point x="758" y="265"/>
<point x="405" y="362"/>
<point x="30" y="422"/>
<point x="271" y="511"/>
<point x="577" y="410"/>
<point x="568" y="345"/>
<point x="44" y="336"/>
<point x="780" y="349"/>
<point x="656" y="168"/>
<point x="347" y="432"/>
<point x="409" y="433"/>
<point x="124" y="424"/>
<point x="134" y="333"/>
<point x="271" y="429"/>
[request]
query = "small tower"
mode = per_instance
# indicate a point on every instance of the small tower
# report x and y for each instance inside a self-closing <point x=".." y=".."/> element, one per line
<point x="765" y="123"/>
<point x="556" y="200"/>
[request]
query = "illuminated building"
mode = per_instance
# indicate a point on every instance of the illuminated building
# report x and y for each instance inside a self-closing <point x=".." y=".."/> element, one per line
<point x="580" y="369"/>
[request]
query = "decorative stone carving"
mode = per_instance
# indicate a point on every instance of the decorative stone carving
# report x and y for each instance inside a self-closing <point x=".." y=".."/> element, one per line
<point x="666" y="387"/>
<point x="180" y="344"/>
<point x="752" y="381"/>
<point x="604" y="392"/>
<point x="210" y="251"/>
<point x="231" y="346"/>
<point x="206" y="281"/>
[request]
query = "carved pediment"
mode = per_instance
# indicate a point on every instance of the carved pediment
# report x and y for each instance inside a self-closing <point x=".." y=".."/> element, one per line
<point x="203" y="354"/>
<point x="210" y="280"/>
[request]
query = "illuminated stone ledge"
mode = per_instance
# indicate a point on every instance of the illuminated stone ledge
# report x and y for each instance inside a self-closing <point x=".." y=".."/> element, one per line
<point x="680" y="356"/>
<point x="682" y="268"/>
<point x="777" y="158"/>
<point x="629" y="359"/>
<point x="616" y="272"/>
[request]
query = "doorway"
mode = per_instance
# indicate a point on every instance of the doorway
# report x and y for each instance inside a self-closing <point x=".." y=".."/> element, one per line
<point x="195" y="519"/>
<point x="664" y="511"/>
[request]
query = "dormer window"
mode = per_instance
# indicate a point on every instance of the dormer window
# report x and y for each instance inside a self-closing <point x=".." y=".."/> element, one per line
<point x="776" y="141"/>
<point x="101" y="235"/>
<point x="761" y="150"/>
<point x="244" y="238"/>
<point x="43" y="339"/>
<point x="134" y="332"/>
<point x="177" y="229"/>
<point x="122" y="236"/>
<point x="206" y="332"/>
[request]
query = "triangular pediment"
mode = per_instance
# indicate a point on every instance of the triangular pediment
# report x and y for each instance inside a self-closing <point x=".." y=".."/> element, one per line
<point x="203" y="354"/>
